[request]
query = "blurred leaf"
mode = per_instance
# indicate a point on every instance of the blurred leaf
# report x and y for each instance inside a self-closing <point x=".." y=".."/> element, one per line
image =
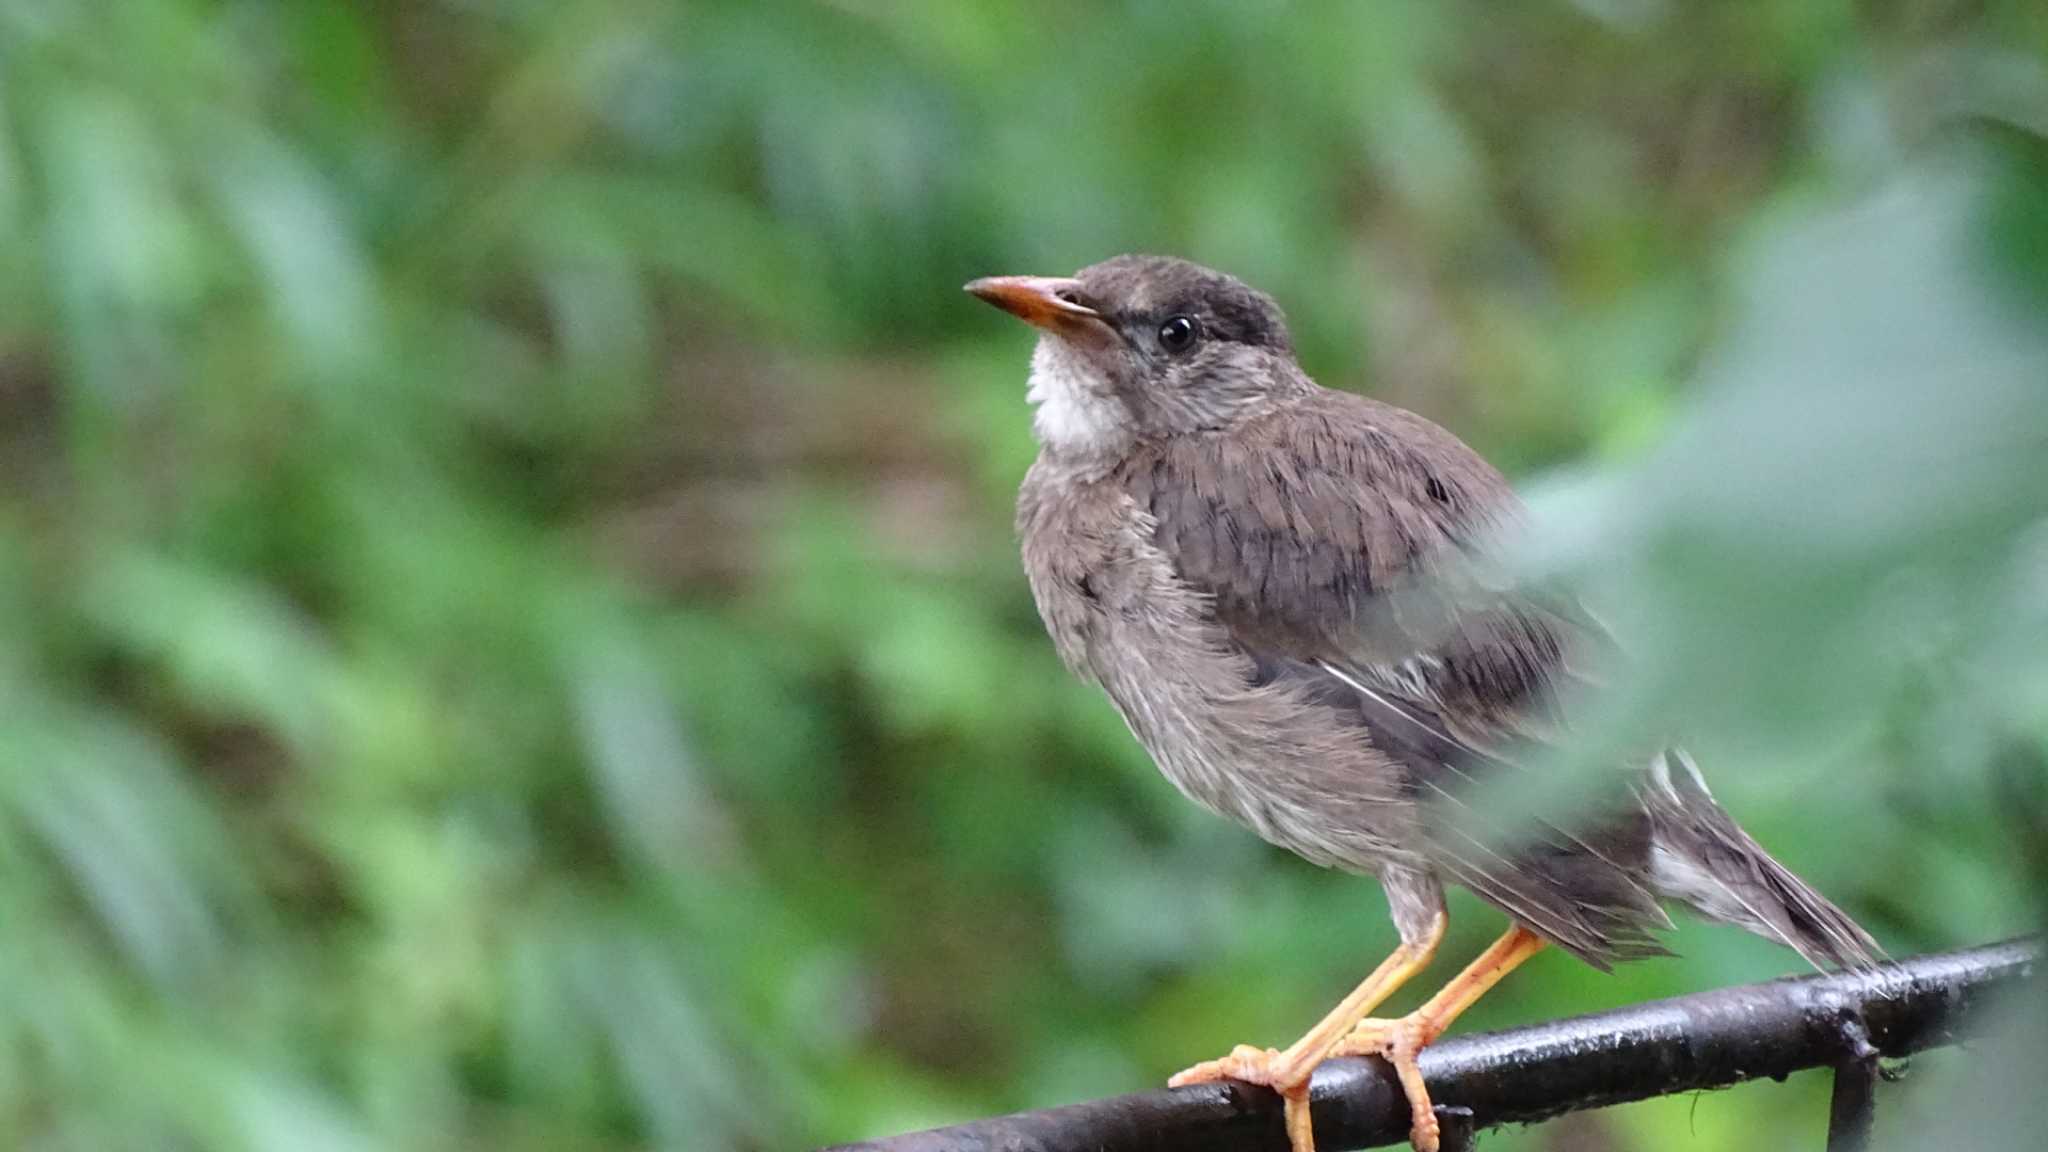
<point x="644" y="771"/>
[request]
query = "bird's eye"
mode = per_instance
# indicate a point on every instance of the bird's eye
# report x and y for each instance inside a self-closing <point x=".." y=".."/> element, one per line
<point x="1179" y="333"/>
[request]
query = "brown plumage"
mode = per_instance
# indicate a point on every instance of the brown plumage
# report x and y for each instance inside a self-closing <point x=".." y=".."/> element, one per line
<point x="1271" y="582"/>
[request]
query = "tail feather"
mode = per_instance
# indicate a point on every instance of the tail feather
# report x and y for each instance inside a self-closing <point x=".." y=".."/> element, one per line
<point x="1700" y="856"/>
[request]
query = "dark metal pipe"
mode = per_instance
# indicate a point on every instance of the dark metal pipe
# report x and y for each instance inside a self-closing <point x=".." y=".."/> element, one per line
<point x="1852" y="1106"/>
<point x="1708" y="1040"/>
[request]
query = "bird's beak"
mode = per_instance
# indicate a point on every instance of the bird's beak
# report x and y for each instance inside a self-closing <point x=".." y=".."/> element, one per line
<point x="1047" y="302"/>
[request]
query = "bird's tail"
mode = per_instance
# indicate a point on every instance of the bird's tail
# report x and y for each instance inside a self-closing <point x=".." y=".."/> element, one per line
<point x="1701" y="857"/>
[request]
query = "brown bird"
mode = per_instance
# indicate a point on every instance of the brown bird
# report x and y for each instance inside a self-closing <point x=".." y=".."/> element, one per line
<point x="1263" y="576"/>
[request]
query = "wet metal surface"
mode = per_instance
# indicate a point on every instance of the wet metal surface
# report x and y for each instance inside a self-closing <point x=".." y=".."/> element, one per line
<point x="1852" y="1108"/>
<point x="1457" y="1129"/>
<point x="1709" y="1040"/>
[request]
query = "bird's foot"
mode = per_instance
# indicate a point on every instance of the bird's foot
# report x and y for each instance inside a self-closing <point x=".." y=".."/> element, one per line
<point x="1284" y="1072"/>
<point x="1246" y="1063"/>
<point x="1399" y="1041"/>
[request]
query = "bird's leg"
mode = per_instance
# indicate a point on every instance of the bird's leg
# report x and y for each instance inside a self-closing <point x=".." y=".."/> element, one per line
<point x="1287" y="1071"/>
<point x="1399" y="1041"/>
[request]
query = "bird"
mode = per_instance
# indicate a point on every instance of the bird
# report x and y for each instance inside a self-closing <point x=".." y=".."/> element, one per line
<point x="1268" y="578"/>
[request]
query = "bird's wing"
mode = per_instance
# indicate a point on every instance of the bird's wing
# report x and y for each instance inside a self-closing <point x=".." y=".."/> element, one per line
<point x="1336" y="538"/>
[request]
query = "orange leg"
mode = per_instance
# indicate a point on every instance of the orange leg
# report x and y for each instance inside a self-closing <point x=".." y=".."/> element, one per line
<point x="1288" y="1072"/>
<point x="1399" y="1041"/>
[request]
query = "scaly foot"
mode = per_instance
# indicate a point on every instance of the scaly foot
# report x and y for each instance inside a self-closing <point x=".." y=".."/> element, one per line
<point x="1399" y="1042"/>
<point x="1268" y="1067"/>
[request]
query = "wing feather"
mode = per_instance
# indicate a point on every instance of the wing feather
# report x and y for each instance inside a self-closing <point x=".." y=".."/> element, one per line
<point x="1342" y="559"/>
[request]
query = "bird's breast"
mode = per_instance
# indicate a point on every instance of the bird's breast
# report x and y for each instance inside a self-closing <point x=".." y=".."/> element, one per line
<point x="1261" y="754"/>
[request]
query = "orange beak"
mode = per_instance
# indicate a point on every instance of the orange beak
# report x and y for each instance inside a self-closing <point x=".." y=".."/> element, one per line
<point x="1047" y="302"/>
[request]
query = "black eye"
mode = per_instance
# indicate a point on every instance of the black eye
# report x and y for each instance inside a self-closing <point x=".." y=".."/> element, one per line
<point x="1179" y="333"/>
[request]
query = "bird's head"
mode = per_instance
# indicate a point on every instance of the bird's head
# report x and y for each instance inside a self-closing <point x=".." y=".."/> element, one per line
<point x="1142" y="346"/>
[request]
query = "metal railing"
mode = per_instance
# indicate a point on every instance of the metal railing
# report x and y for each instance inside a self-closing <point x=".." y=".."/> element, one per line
<point x="1843" y="1020"/>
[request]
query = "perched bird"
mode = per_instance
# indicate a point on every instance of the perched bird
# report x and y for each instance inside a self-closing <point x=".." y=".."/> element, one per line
<point x="1261" y="573"/>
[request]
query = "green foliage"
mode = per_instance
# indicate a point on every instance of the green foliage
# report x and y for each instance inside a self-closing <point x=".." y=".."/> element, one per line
<point x="511" y="633"/>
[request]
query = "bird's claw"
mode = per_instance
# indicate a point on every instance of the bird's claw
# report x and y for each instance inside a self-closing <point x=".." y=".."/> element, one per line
<point x="1283" y="1072"/>
<point x="1399" y="1042"/>
<point x="1251" y="1065"/>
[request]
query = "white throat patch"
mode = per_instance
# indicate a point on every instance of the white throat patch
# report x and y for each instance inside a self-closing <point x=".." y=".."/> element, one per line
<point x="1076" y="414"/>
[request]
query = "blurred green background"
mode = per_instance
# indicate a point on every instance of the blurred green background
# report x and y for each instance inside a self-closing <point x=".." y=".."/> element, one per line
<point x="510" y="635"/>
